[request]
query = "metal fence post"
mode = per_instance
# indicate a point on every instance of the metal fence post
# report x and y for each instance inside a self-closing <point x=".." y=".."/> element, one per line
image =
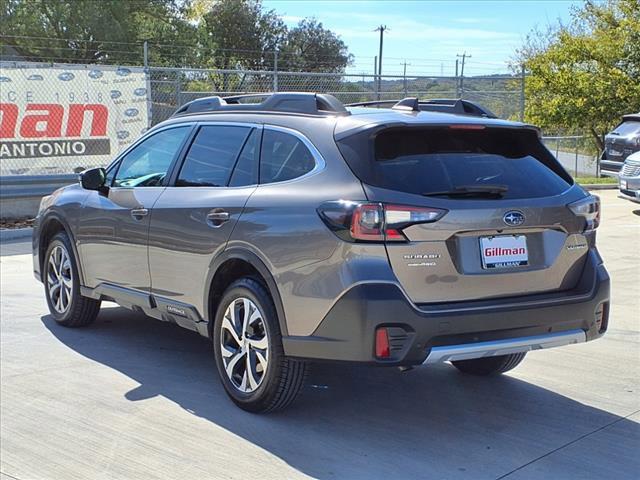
<point x="557" y="146"/>
<point x="375" y="77"/>
<point x="178" y="91"/>
<point x="275" y="70"/>
<point x="457" y="82"/>
<point x="145" y="54"/>
<point x="575" y="140"/>
<point x="522" y="80"/>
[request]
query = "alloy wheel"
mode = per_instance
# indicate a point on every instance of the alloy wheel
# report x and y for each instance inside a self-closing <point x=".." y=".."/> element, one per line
<point x="59" y="279"/>
<point x="244" y="343"/>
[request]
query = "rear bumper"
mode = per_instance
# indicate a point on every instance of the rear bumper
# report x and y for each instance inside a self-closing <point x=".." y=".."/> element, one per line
<point x="504" y="347"/>
<point x="431" y="333"/>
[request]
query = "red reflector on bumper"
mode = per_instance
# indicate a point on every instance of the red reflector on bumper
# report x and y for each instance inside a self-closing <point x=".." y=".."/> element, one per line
<point x="382" y="343"/>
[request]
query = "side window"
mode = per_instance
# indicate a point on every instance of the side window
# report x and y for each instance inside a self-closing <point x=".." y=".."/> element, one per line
<point x="246" y="169"/>
<point x="212" y="156"/>
<point x="284" y="157"/>
<point x="147" y="164"/>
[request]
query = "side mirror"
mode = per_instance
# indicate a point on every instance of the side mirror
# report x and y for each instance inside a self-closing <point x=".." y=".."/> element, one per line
<point x="93" y="179"/>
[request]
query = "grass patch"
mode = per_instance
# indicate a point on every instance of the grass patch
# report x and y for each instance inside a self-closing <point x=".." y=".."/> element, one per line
<point x="596" y="180"/>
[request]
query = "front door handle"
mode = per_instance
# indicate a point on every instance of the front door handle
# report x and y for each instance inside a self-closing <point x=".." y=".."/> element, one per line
<point x="138" y="213"/>
<point x="217" y="217"/>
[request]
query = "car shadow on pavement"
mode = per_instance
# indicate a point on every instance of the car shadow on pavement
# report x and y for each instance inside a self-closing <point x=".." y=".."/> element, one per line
<point x="362" y="422"/>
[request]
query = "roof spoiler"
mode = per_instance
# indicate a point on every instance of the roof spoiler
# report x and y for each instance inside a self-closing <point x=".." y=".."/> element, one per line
<point x="289" y="102"/>
<point x="457" y="106"/>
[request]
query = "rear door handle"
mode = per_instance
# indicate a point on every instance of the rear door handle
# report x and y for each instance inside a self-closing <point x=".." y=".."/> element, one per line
<point x="217" y="217"/>
<point x="138" y="213"/>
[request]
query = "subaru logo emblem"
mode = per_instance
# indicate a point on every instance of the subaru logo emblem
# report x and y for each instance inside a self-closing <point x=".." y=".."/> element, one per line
<point x="513" y="218"/>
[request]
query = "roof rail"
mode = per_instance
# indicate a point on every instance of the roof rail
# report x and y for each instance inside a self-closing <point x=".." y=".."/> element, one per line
<point x="289" y="102"/>
<point x="447" y="105"/>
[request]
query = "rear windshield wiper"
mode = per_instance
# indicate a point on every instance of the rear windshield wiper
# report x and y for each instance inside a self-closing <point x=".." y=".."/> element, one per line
<point x="493" y="191"/>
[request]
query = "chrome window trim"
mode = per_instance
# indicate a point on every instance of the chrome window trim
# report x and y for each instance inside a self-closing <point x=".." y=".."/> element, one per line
<point x="318" y="159"/>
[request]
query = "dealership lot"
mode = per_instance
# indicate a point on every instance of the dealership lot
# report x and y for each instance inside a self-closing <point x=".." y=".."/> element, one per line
<point x="132" y="397"/>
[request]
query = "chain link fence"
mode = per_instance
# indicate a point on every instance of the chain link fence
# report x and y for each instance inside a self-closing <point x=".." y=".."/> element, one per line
<point x="159" y="91"/>
<point x="172" y="87"/>
<point x="576" y="154"/>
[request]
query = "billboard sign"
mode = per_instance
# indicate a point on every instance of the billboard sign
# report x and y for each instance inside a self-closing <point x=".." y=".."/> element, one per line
<point x="65" y="118"/>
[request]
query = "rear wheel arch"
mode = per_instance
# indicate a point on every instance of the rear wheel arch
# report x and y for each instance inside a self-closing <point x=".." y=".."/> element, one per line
<point x="232" y="265"/>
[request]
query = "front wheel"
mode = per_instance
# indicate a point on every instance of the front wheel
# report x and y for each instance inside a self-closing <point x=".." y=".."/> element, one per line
<point x="247" y="341"/>
<point x="62" y="286"/>
<point x="490" y="365"/>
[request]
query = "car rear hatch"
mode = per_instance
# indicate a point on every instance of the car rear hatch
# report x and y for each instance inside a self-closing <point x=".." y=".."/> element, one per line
<point x="473" y="211"/>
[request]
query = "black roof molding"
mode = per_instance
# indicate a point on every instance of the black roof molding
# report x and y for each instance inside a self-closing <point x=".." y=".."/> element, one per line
<point x="448" y="105"/>
<point x="289" y="102"/>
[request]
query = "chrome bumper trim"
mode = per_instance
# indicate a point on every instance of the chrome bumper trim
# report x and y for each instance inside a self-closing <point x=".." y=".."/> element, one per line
<point x="504" y="347"/>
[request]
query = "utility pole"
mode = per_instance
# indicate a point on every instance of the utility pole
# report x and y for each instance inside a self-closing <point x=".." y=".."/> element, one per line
<point x="404" y="76"/>
<point x="381" y="29"/>
<point x="464" y="57"/>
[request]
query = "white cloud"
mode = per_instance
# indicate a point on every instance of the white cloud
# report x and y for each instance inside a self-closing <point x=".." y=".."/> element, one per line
<point x="291" y="18"/>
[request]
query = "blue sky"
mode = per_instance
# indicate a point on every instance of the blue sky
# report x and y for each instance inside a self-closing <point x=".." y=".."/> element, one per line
<point x="429" y="34"/>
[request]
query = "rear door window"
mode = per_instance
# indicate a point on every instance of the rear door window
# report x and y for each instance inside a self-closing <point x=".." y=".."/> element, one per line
<point x="284" y="157"/>
<point x="212" y="156"/>
<point x="428" y="160"/>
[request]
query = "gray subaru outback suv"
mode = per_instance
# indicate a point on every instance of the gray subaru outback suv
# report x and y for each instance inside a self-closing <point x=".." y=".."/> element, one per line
<point x="297" y="230"/>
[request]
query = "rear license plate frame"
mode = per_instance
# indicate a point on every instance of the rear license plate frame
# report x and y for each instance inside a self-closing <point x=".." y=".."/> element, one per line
<point x="501" y="260"/>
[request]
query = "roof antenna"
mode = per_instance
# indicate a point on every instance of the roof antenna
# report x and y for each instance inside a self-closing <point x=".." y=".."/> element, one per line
<point x="409" y="104"/>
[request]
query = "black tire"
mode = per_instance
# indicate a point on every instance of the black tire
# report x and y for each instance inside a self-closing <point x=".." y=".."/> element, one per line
<point x="282" y="378"/>
<point x="80" y="311"/>
<point x="490" y="365"/>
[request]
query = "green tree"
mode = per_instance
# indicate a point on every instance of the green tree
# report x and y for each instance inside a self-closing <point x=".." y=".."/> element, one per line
<point x="309" y="47"/>
<point x="239" y="34"/>
<point x="86" y="31"/>
<point x="585" y="75"/>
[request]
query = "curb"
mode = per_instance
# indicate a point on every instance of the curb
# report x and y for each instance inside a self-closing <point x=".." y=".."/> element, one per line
<point x="15" y="233"/>
<point x="601" y="186"/>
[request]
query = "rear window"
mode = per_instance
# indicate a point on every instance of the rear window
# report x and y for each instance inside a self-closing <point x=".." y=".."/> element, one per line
<point x="428" y="160"/>
<point x="627" y="128"/>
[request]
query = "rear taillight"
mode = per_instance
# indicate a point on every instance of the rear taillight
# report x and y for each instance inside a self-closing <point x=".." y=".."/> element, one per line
<point x="589" y="209"/>
<point x="374" y="222"/>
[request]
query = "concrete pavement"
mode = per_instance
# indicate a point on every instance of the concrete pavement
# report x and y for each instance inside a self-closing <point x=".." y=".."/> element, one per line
<point x="131" y="397"/>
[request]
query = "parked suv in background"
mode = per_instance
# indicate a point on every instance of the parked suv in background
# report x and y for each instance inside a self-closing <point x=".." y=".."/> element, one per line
<point x="629" y="178"/>
<point x="621" y="142"/>
<point x="296" y="230"/>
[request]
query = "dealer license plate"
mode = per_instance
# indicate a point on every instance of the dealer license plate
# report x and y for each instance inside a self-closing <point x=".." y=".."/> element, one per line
<point x="505" y="251"/>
